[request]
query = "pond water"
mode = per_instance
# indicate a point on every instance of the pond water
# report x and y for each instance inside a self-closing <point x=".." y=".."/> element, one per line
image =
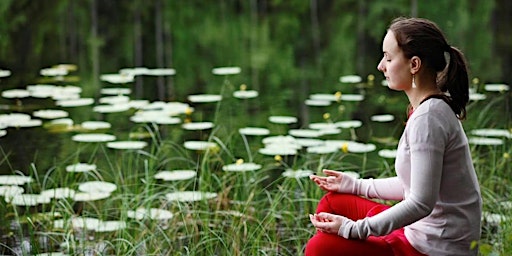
<point x="353" y="126"/>
<point x="42" y="147"/>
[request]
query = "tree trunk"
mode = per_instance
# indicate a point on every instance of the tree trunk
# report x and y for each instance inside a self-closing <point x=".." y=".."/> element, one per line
<point x="414" y="8"/>
<point x="361" y="37"/>
<point x="315" y="34"/>
<point x="71" y="34"/>
<point x="168" y="51"/>
<point x="137" y="34"/>
<point x="94" y="44"/>
<point x="159" y="47"/>
<point x="254" y="44"/>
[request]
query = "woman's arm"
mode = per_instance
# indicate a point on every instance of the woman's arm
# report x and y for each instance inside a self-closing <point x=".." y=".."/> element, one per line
<point x="427" y="141"/>
<point x="385" y="188"/>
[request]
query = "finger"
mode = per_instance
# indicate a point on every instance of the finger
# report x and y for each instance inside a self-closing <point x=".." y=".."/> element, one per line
<point x="317" y="181"/>
<point x="331" y="173"/>
<point x="321" y="219"/>
<point x="316" y="177"/>
<point x="313" y="178"/>
<point x="324" y="216"/>
<point x="314" y="220"/>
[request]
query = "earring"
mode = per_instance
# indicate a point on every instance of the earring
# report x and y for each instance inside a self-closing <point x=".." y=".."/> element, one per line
<point x="413" y="83"/>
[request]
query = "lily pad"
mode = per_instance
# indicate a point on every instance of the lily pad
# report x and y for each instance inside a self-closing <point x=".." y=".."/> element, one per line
<point x="226" y="71"/>
<point x="297" y="174"/>
<point x="283" y="119"/>
<point x="81" y="167"/>
<point x="176" y="175"/>
<point x="50" y="113"/>
<point x="243" y="167"/>
<point x="28" y="199"/>
<point x="79" y="102"/>
<point x="127" y="144"/>
<point x="189" y="196"/>
<point x="152" y="213"/>
<point x="254" y="131"/>
<point x="387" y="153"/>
<point x="197" y="126"/>
<point x="97" y="186"/>
<point x="199" y="145"/>
<point x="204" y="98"/>
<point x="245" y="94"/>
<point x="15" y="180"/>
<point x="382" y="118"/>
<point x="93" y="137"/>
<point x="58" y="193"/>
<point x="351" y="79"/>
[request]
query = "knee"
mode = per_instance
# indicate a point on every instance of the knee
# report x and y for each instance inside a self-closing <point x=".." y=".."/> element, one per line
<point x="316" y="246"/>
<point x="332" y="201"/>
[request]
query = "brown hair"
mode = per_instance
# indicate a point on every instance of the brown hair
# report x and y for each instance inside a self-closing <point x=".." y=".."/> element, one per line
<point x="423" y="38"/>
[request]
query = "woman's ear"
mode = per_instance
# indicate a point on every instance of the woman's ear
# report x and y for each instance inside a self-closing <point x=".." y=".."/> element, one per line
<point x="415" y="64"/>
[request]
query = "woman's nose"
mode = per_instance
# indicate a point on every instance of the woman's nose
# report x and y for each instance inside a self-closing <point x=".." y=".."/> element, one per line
<point x="380" y="66"/>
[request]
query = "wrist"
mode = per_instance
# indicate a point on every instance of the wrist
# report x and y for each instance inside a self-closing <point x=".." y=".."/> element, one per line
<point x="347" y="184"/>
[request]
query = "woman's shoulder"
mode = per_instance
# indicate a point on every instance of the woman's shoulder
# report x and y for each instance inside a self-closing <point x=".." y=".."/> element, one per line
<point x="435" y="106"/>
<point x="434" y="113"/>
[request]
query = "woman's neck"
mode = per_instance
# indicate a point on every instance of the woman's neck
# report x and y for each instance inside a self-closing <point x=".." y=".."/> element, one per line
<point x="417" y="95"/>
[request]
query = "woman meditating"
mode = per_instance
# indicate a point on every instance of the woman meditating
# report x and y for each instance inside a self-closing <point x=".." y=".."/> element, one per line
<point x="439" y="203"/>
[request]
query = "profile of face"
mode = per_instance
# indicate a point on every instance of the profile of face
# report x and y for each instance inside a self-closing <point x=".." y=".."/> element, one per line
<point x="394" y="65"/>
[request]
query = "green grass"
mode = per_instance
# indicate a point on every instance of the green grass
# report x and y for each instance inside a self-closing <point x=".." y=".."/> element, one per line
<point x="255" y="213"/>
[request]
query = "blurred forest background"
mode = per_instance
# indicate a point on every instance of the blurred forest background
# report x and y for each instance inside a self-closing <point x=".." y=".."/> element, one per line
<point x="280" y="45"/>
<point x="287" y="50"/>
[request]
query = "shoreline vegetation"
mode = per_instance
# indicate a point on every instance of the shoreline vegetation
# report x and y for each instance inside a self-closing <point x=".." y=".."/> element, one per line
<point x="193" y="178"/>
<point x="191" y="127"/>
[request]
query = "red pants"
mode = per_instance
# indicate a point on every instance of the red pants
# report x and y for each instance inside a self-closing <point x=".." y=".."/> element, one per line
<point x="356" y="207"/>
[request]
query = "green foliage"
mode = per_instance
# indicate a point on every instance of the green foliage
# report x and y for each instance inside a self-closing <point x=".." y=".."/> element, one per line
<point x="286" y="52"/>
<point x="343" y="37"/>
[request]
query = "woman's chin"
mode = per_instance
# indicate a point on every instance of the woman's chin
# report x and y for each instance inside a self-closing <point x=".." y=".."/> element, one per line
<point x="395" y="87"/>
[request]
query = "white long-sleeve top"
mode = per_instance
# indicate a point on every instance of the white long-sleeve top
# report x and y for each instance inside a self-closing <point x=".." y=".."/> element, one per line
<point x="440" y="202"/>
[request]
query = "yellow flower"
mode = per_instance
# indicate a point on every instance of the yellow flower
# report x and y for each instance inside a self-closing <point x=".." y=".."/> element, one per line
<point x="187" y="120"/>
<point x="370" y="78"/>
<point x="243" y="87"/>
<point x="326" y="116"/>
<point x="476" y="80"/>
<point x="344" y="147"/>
<point x="337" y="95"/>
<point x="240" y="161"/>
<point x="214" y="149"/>
<point x="506" y="155"/>
<point x="189" y="111"/>
<point x="278" y="158"/>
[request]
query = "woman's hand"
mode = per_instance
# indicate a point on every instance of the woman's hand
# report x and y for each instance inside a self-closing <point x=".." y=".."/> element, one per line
<point x="326" y="222"/>
<point x="331" y="182"/>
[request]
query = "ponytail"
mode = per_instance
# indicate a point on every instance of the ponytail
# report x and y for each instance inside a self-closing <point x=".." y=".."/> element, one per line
<point x="455" y="81"/>
<point x="423" y="38"/>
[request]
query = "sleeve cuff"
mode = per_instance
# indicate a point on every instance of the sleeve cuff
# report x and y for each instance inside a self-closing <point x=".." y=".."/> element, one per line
<point x="345" y="228"/>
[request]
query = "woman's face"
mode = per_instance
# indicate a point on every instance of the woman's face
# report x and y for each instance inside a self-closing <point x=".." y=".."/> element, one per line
<point x="394" y="65"/>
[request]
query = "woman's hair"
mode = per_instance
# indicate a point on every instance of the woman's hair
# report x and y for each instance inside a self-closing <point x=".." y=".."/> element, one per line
<point x="423" y="38"/>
